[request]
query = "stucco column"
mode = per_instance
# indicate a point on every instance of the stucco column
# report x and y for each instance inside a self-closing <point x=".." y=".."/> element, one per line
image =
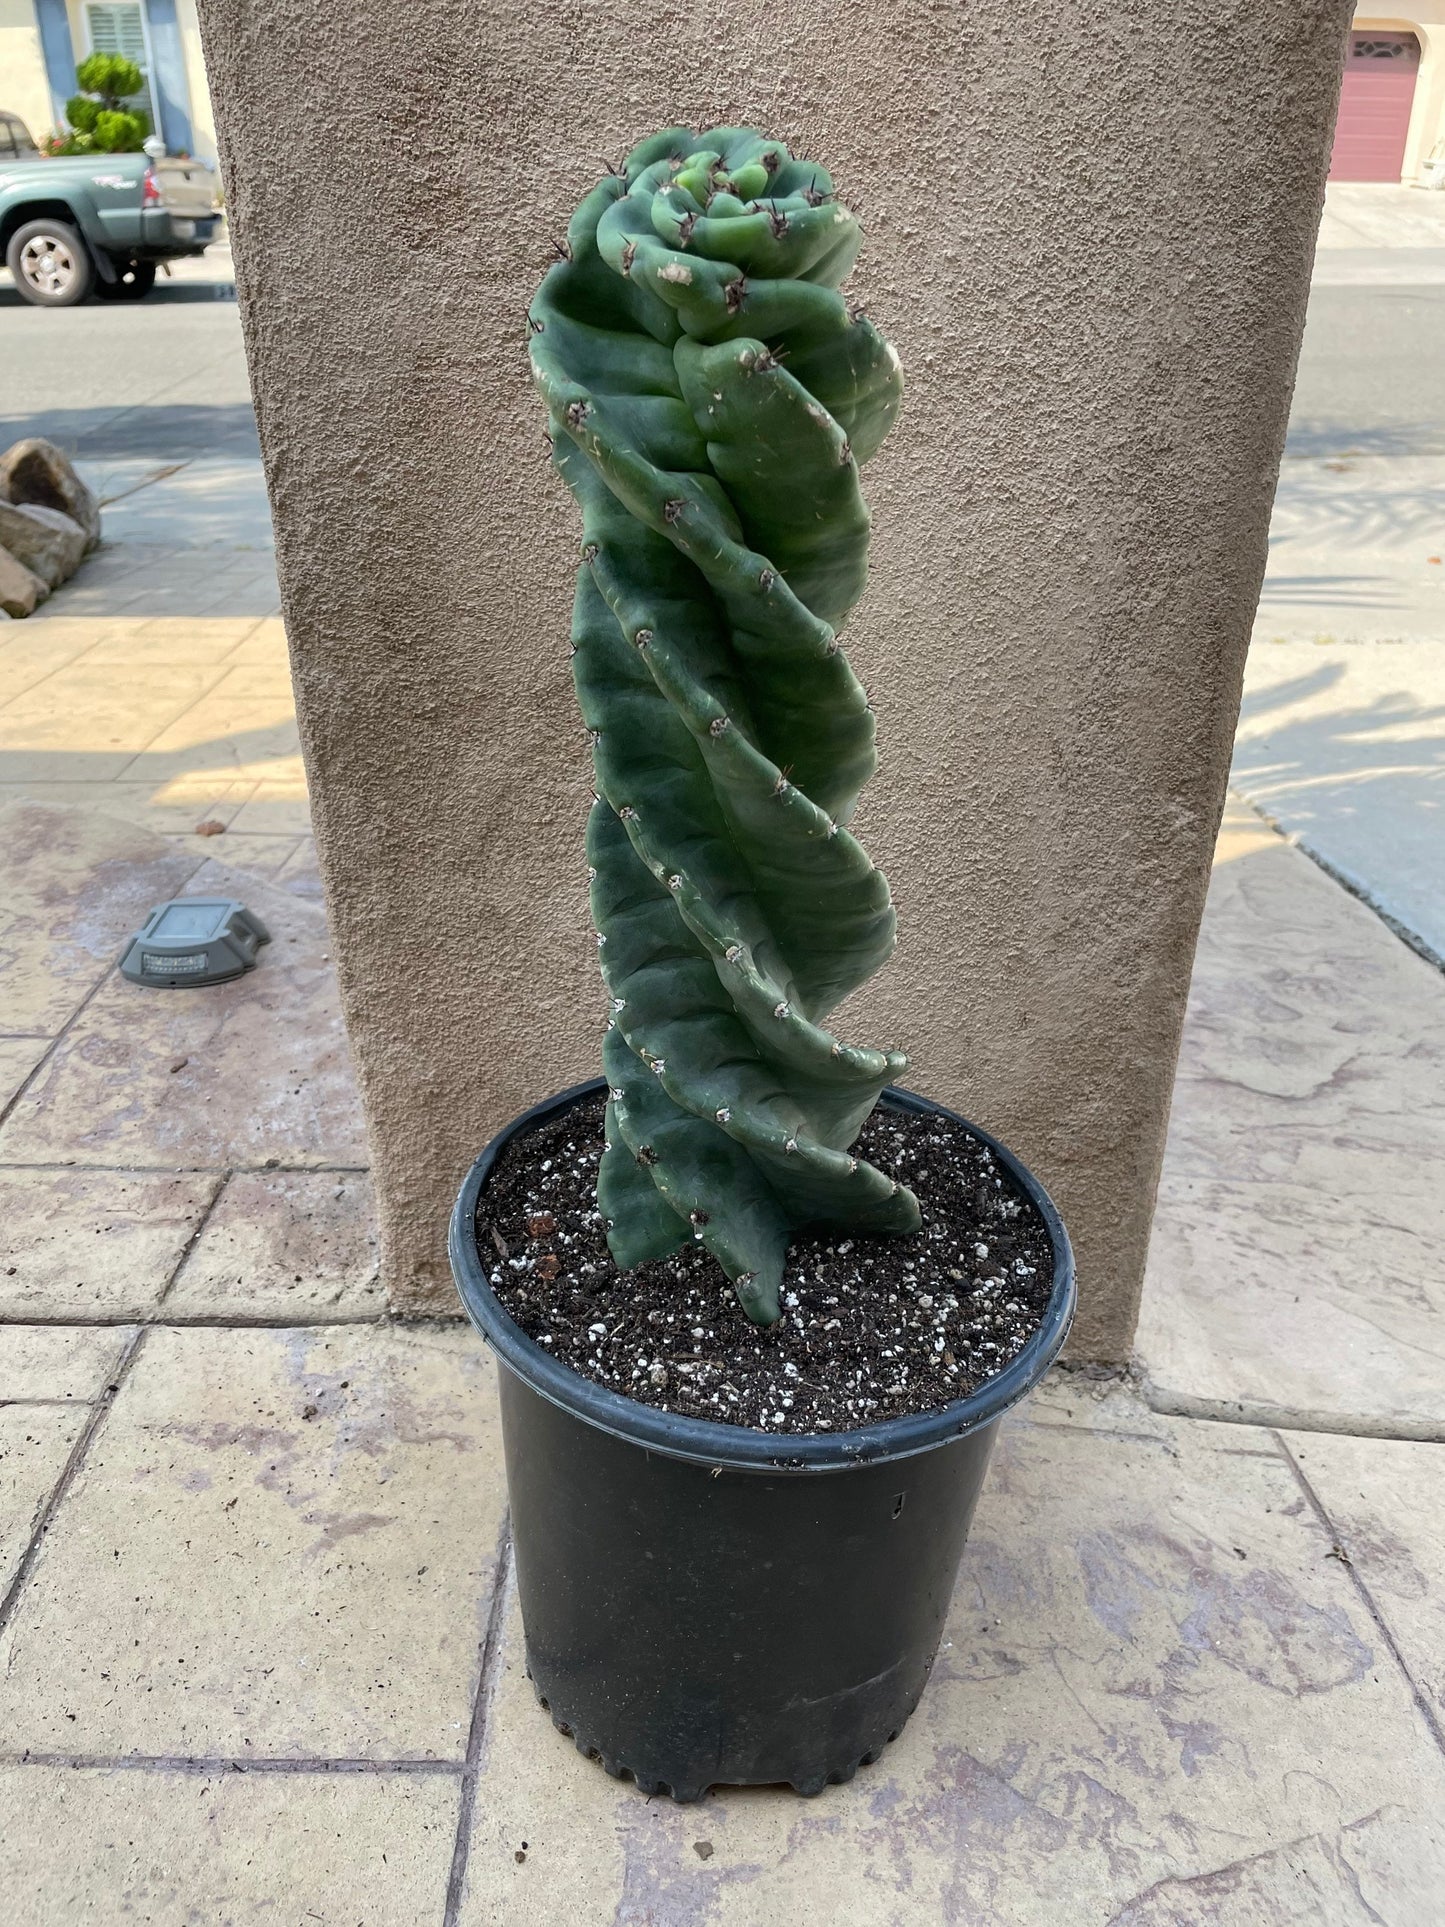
<point x="1089" y="235"/>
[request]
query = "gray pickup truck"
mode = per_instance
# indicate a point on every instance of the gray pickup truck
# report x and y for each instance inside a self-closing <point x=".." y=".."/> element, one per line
<point x="96" y="224"/>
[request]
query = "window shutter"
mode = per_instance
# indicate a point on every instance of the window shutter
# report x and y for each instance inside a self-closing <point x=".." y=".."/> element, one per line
<point x="118" y="29"/>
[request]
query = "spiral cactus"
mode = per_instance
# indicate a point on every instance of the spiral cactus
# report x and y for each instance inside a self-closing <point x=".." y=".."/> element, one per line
<point x="711" y="400"/>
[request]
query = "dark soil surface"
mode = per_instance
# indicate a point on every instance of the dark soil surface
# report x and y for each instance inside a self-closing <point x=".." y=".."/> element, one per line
<point x="872" y="1328"/>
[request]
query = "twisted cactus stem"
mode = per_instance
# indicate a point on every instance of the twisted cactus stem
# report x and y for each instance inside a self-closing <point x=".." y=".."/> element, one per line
<point x="711" y="400"/>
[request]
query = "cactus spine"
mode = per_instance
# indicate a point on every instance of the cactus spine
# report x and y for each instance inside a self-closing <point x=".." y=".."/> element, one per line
<point x="711" y="401"/>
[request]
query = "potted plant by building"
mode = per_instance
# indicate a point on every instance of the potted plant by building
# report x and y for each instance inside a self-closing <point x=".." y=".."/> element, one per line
<point x="756" y="1326"/>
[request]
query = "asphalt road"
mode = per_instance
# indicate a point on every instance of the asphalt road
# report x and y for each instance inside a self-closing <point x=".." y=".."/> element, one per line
<point x="162" y="379"/>
<point x="1372" y="373"/>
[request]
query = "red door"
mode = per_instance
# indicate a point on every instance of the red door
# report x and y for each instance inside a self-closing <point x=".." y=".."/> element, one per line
<point x="1375" y="104"/>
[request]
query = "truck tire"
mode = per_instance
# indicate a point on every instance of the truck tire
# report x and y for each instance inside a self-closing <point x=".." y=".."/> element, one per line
<point x="49" y="263"/>
<point x="134" y="280"/>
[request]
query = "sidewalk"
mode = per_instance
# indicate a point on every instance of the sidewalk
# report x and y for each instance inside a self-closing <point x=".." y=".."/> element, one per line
<point x="1342" y="737"/>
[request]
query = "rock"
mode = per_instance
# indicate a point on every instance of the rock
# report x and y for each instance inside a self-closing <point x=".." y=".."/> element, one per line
<point x="36" y="471"/>
<point x="20" y="589"/>
<point x="46" y="540"/>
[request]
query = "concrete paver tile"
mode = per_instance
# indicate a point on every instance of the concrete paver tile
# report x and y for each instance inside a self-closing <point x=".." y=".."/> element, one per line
<point x="25" y="769"/>
<point x="29" y="657"/>
<point x="170" y="808"/>
<point x="260" y="596"/>
<point x="59" y="1361"/>
<point x="18" y="1058"/>
<point x="35" y="1443"/>
<point x="244" y="680"/>
<point x="1148" y="1670"/>
<point x="86" y="724"/>
<point x="213" y="506"/>
<point x="86" y="693"/>
<point x="257" y="856"/>
<point x="1279" y="1299"/>
<point x="1383" y="1499"/>
<point x="81" y="1244"/>
<point x="1301" y="1195"/>
<point x="229" y="1075"/>
<point x="175" y="1848"/>
<point x="301" y="873"/>
<point x="73" y="886"/>
<point x="265" y="644"/>
<point x="276" y="809"/>
<point x="169" y="639"/>
<point x="241" y="730"/>
<point x="280" y="1545"/>
<point x="284" y="1243"/>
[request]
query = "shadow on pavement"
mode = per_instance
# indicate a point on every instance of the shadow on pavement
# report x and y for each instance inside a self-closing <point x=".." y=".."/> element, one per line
<point x="164" y="294"/>
<point x="162" y="433"/>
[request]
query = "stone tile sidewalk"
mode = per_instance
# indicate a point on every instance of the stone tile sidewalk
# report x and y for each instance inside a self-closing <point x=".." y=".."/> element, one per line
<point x="259" y="1650"/>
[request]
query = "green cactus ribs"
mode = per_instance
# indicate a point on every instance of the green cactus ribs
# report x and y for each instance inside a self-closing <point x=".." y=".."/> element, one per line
<point x="711" y="400"/>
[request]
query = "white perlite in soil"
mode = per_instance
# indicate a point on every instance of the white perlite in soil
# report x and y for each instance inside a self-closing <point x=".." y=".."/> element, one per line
<point x="872" y="1328"/>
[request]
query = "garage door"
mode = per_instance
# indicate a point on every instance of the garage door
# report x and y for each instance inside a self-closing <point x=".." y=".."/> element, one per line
<point x="1375" y="104"/>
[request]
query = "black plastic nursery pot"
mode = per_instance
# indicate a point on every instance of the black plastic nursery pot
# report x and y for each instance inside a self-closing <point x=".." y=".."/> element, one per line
<point x="705" y="1604"/>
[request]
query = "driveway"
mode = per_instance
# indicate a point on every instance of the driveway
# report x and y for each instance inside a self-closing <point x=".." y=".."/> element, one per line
<point x="1342" y="734"/>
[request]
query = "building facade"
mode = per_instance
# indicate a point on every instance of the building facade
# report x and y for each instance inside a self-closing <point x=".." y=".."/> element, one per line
<point x="1392" y="106"/>
<point x="42" y="41"/>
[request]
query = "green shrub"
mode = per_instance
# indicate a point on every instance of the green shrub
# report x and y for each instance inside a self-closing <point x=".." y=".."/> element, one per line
<point x="100" y="121"/>
<point x="111" y="77"/>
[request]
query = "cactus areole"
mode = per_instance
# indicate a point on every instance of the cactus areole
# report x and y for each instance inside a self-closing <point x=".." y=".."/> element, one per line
<point x="711" y="401"/>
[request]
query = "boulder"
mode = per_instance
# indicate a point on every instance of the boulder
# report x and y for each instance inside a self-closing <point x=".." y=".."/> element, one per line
<point x="20" y="588"/>
<point x="36" y="471"/>
<point x="48" y="542"/>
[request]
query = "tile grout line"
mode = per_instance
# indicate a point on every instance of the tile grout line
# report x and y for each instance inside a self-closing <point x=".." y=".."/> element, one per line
<point x="217" y="1321"/>
<point x="193" y="1763"/>
<point x="197" y="1170"/>
<point x="196" y="1230"/>
<point x="68" y="1476"/>
<point x="1423" y="1706"/>
<point x="481" y="1709"/>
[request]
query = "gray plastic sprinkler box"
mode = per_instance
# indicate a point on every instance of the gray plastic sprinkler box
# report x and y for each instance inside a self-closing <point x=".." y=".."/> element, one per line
<point x="194" y="940"/>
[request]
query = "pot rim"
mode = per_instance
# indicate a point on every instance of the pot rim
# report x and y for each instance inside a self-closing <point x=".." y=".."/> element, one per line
<point x="740" y="1448"/>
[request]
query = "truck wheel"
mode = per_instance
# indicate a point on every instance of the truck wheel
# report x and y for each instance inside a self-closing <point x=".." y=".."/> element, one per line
<point x="134" y="280"/>
<point x="49" y="263"/>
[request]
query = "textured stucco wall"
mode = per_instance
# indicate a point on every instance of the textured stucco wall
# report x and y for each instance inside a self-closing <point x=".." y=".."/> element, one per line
<point x="1090" y="232"/>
